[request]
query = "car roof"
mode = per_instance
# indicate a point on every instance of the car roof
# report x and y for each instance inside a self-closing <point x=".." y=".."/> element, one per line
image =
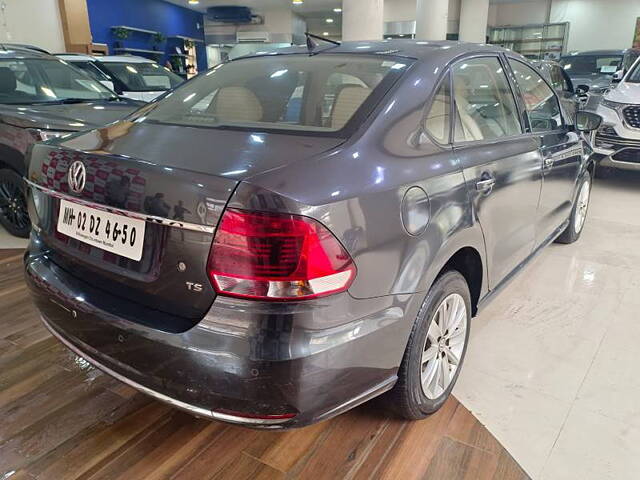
<point x="124" y="58"/>
<point x="74" y="56"/>
<point x="14" y="50"/>
<point x="415" y="49"/>
<point x="106" y="58"/>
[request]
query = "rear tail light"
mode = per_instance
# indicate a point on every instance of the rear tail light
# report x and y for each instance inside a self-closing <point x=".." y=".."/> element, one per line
<point x="273" y="256"/>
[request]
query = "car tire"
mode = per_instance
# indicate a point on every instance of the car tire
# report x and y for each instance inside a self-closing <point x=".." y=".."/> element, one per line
<point x="13" y="205"/>
<point x="579" y="212"/>
<point x="409" y="398"/>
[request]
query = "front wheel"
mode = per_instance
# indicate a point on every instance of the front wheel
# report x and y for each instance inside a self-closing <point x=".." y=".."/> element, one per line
<point x="578" y="213"/>
<point x="13" y="204"/>
<point x="435" y="351"/>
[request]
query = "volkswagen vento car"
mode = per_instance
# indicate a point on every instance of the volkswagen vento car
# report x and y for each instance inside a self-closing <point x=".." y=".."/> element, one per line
<point x="42" y="97"/>
<point x="289" y="235"/>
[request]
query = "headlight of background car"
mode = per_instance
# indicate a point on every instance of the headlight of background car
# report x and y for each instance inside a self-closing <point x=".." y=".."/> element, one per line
<point x="43" y="135"/>
<point x="612" y="105"/>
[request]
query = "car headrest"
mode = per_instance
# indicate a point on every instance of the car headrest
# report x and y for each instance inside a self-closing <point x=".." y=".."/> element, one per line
<point x="237" y="104"/>
<point x="7" y="80"/>
<point x="347" y="101"/>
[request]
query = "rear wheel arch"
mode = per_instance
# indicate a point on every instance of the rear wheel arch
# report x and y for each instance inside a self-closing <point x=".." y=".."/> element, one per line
<point x="468" y="262"/>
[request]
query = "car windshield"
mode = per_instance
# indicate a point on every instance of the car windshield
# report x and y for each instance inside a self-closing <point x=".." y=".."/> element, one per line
<point x="142" y="77"/>
<point x="634" y="74"/>
<point x="576" y="65"/>
<point x="318" y="93"/>
<point x="46" y="80"/>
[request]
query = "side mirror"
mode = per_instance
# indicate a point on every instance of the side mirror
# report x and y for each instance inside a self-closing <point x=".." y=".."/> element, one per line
<point x="582" y="89"/>
<point x="587" y="121"/>
<point x="618" y="76"/>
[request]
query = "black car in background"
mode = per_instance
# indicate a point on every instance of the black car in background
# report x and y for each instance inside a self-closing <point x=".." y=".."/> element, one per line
<point x="291" y="234"/>
<point x="42" y="97"/>
<point x="598" y="69"/>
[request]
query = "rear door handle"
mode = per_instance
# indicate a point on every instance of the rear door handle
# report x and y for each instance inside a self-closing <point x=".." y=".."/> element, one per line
<point x="548" y="162"/>
<point x="486" y="184"/>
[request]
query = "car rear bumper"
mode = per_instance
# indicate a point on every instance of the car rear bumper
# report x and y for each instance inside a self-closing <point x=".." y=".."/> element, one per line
<point x="255" y="364"/>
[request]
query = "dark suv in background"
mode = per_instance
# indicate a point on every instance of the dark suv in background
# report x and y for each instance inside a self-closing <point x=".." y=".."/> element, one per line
<point x="42" y="97"/>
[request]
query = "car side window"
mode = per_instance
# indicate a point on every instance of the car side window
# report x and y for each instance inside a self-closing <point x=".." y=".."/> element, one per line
<point x="540" y="100"/>
<point x="437" y="121"/>
<point x="485" y="106"/>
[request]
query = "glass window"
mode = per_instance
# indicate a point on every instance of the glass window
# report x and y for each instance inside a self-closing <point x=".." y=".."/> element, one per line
<point x="557" y="79"/>
<point x="634" y="75"/>
<point x="90" y="69"/>
<point x="576" y="65"/>
<point x="485" y="107"/>
<point x="437" y="120"/>
<point x="41" y="80"/>
<point x="540" y="100"/>
<point x="142" y="77"/>
<point x="285" y="92"/>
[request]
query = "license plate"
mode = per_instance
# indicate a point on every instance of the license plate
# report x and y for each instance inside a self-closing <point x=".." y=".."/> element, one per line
<point x="109" y="231"/>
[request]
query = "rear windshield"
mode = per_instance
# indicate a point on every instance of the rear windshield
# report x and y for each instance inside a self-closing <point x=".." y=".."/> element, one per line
<point x="142" y="77"/>
<point x="591" y="64"/>
<point x="318" y="93"/>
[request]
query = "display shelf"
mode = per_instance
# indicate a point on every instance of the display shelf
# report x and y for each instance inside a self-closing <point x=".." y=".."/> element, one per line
<point x="535" y="41"/>
<point x="182" y="37"/>
<point x="135" y="29"/>
<point x="138" y="50"/>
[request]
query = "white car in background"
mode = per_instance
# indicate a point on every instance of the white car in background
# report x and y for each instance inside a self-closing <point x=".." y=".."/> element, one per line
<point x="617" y="141"/>
<point x="137" y="78"/>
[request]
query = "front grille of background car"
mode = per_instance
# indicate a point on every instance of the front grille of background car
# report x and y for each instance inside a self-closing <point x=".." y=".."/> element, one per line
<point x="632" y="116"/>
<point x="606" y="137"/>
<point x="629" y="155"/>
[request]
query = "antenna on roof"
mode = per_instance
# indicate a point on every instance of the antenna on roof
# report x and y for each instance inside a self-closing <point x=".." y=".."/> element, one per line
<point x="312" y="44"/>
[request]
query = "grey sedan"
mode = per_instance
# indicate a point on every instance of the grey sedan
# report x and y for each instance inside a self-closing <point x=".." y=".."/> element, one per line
<point x="290" y="235"/>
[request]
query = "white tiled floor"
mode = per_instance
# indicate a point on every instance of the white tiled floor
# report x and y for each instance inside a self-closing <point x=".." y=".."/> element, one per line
<point x="9" y="241"/>
<point x="553" y="363"/>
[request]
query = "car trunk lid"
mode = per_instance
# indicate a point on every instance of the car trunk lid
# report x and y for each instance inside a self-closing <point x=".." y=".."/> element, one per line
<point x="179" y="188"/>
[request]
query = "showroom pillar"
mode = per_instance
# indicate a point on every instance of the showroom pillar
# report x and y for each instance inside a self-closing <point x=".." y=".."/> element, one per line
<point x="473" y="20"/>
<point x="431" y="19"/>
<point x="362" y="20"/>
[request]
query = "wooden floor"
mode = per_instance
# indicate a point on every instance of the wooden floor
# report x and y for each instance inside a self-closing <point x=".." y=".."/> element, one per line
<point x="62" y="419"/>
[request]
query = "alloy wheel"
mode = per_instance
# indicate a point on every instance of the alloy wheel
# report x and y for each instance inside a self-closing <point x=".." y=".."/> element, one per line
<point x="582" y="206"/>
<point x="444" y="346"/>
<point x="13" y="207"/>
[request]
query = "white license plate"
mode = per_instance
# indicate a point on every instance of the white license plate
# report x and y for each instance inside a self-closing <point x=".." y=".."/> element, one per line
<point x="108" y="231"/>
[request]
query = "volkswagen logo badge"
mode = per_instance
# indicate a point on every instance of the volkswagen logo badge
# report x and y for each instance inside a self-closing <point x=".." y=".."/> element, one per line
<point x="77" y="176"/>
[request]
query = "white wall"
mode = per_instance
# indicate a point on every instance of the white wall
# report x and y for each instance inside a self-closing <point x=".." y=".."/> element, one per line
<point x="399" y="10"/>
<point x="279" y="22"/>
<point x="518" y="13"/>
<point x="597" y="24"/>
<point x="35" y="22"/>
<point x="405" y="10"/>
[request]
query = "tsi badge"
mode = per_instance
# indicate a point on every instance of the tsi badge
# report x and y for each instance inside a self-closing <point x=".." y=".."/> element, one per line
<point x="194" y="287"/>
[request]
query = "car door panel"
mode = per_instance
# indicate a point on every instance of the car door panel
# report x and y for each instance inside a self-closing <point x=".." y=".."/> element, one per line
<point x="504" y="181"/>
<point x="560" y="148"/>
<point x="502" y="166"/>
<point x="562" y="156"/>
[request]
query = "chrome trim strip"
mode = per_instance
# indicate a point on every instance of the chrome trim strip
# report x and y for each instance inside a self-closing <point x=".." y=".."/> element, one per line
<point x="199" y="411"/>
<point x="127" y="213"/>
